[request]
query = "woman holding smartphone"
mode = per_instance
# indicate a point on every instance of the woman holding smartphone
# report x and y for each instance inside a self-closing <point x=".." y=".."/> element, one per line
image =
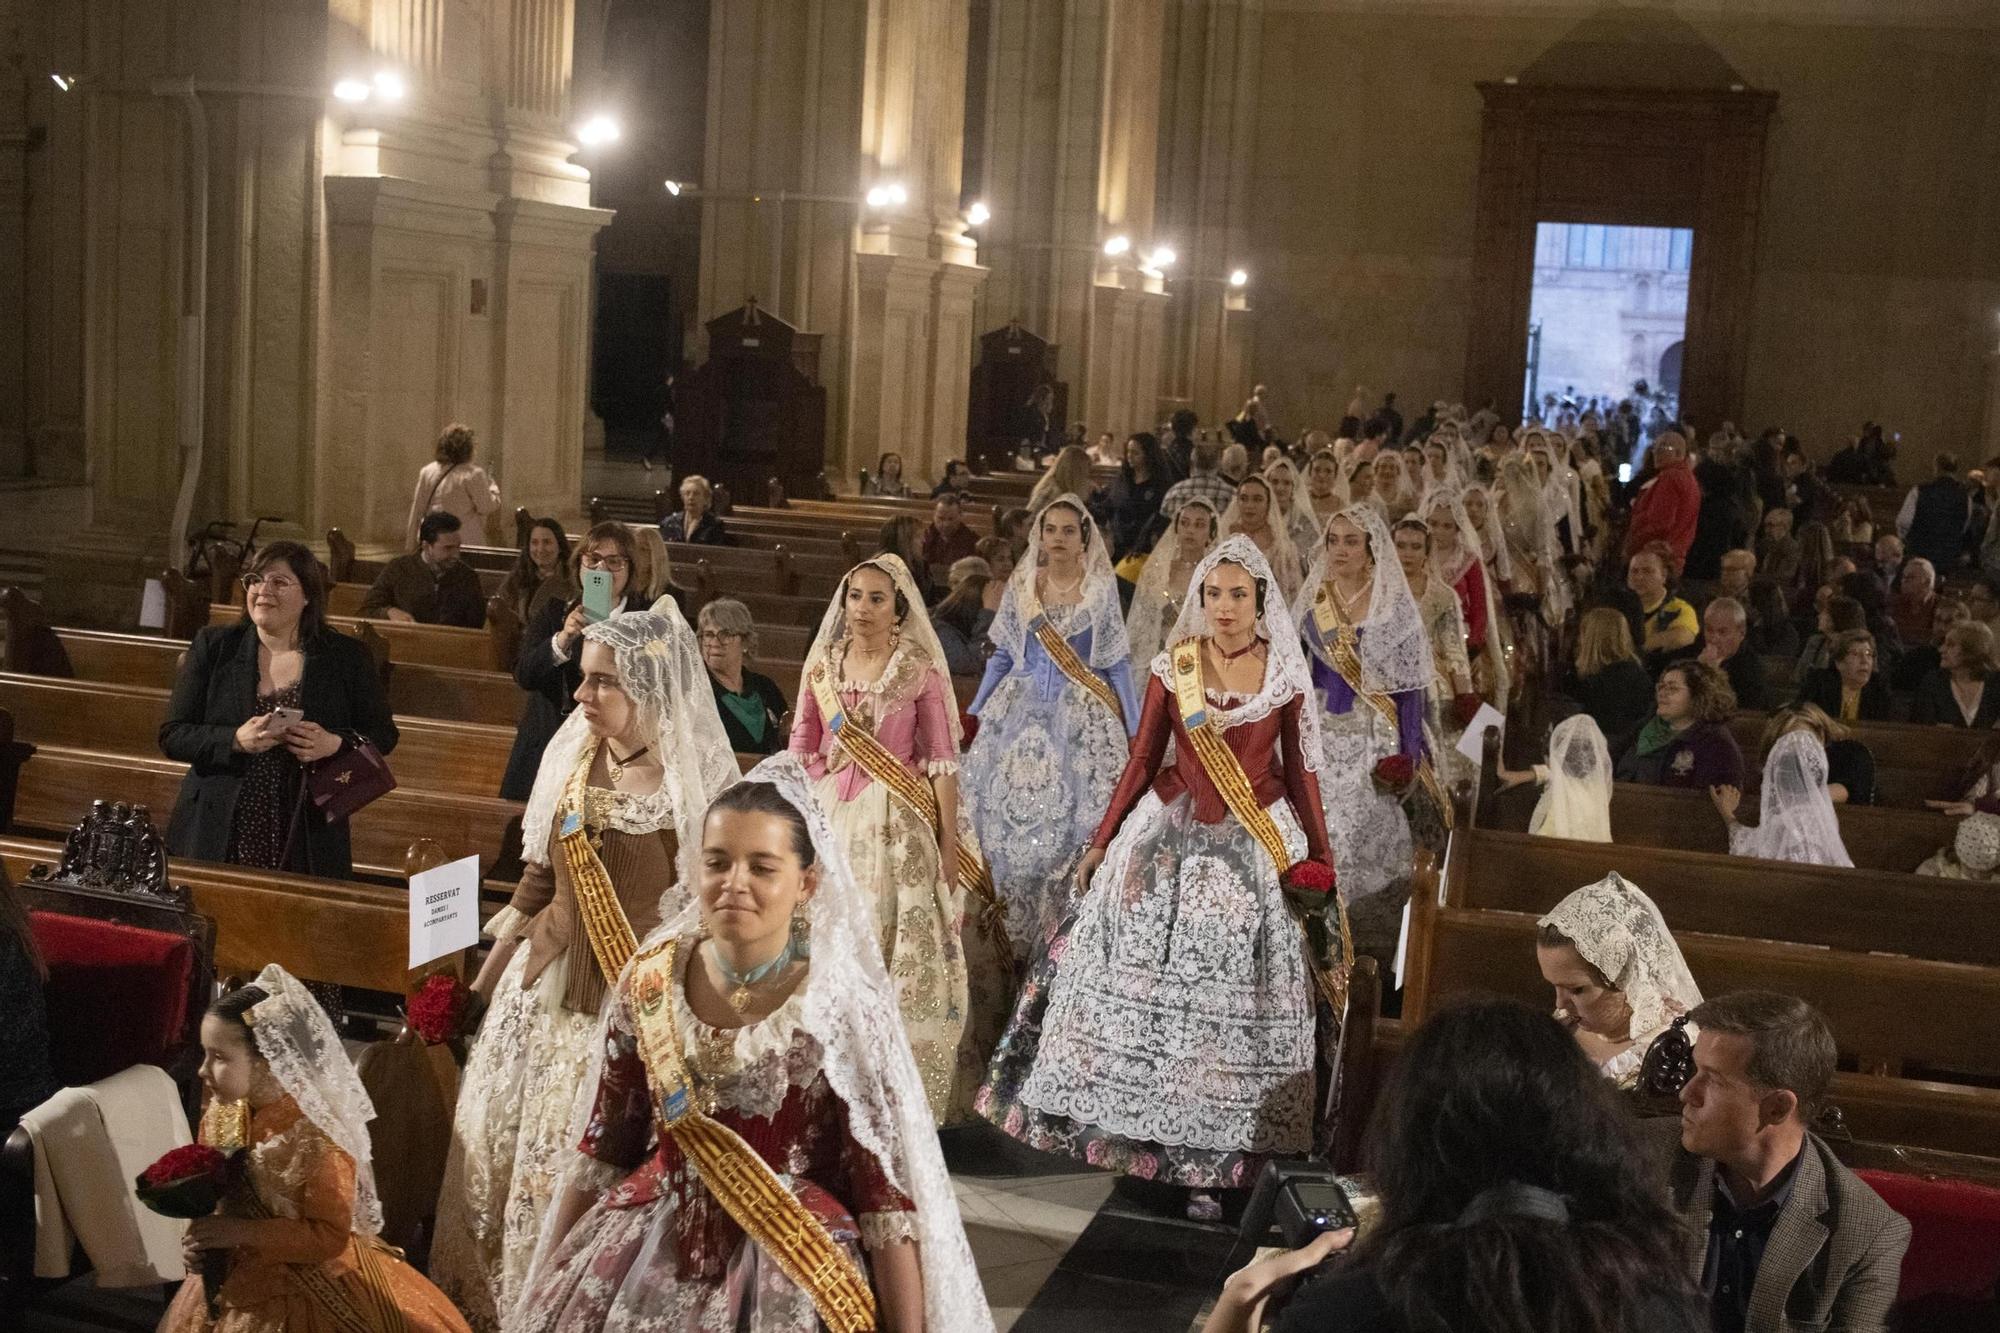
<point x="547" y="667"/>
<point x="254" y="704"/>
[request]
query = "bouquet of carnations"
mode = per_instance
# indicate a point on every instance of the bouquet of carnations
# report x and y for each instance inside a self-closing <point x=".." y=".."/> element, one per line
<point x="444" y="1011"/>
<point x="191" y="1182"/>
<point x="1309" y="885"/>
<point x="1394" y="772"/>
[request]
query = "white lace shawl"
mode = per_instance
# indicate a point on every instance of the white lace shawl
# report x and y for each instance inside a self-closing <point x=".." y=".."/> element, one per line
<point x="915" y="629"/>
<point x="1471" y="548"/>
<point x="1099" y="606"/>
<point x="1797" y="821"/>
<point x="296" y="1038"/>
<point x="1284" y="559"/>
<point x="1394" y="644"/>
<point x="1576" y="803"/>
<point x="848" y="1006"/>
<point x="1153" y="598"/>
<point x="1617" y="930"/>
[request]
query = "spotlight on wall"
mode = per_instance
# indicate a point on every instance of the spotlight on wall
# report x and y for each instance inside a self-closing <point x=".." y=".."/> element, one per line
<point x="1238" y="278"/>
<point x="1117" y="245"/>
<point x="62" y="81"/>
<point x="1163" y="256"/>
<point x="673" y="188"/>
<point x="598" y="131"/>
<point x="888" y="195"/>
<point x="389" y="85"/>
<point x="979" y="214"/>
<point x="351" y="90"/>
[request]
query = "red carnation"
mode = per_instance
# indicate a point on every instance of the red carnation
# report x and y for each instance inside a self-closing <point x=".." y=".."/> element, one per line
<point x="191" y="1182"/>
<point x="444" y="1011"/>
<point x="187" y="1163"/>
<point x="1393" y="772"/>
<point x="1309" y="877"/>
<point x="1465" y="707"/>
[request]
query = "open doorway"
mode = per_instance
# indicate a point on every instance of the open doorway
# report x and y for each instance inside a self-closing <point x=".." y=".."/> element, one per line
<point x="1607" y="319"/>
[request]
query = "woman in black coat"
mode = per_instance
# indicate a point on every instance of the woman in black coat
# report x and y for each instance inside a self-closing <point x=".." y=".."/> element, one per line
<point x="241" y="801"/>
<point x="547" y="667"/>
<point x="1851" y="690"/>
<point x="1964" y="690"/>
<point x="1131" y="512"/>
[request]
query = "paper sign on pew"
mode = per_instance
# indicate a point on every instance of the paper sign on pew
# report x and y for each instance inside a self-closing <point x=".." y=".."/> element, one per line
<point x="444" y="910"/>
<point x="1472" y="744"/>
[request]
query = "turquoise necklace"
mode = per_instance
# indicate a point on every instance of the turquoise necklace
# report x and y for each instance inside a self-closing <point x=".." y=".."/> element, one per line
<point x="741" y="982"/>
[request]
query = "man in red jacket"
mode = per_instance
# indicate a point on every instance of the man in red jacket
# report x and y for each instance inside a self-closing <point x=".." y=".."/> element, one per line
<point x="1669" y="504"/>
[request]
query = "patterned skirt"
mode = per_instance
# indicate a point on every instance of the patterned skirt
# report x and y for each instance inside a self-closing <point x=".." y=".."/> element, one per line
<point x="1368" y="827"/>
<point x="1168" y="1030"/>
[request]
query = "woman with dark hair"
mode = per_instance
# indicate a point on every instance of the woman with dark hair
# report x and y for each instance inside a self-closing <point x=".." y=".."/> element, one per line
<point x="539" y="574"/>
<point x="1874" y="600"/>
<point x="1849" y="688"/>
<point x="1513" y="1197"/>
<point x="887" y="482"/>
<point x="1837" y="615"/>
<point x="452" y="482"/>
<point x="962" y="618"/>
<point x="254" y="704"/>
<point x="1132" y="516"/>
<point x="26" y="1078"/>
<point x="903" y="538"/>
<point x="1687" y="741"/>
<point x="547" y="667"/>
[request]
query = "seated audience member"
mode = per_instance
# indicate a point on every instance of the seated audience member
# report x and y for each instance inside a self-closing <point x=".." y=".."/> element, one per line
<point x="696" y="521"/>
<point x="1918" y="660"/>
<point x="1724" y="644"/>
<point x="1850" y="765"/>
<point x="948" y="537"/>
<point x="1964" y="690"/>
<point x="1738" y="567"/>
<point x="1875" y="611"/>
<point x="1853" y="524"/>
<point x="1982" y="602"/>
<point x="1886" y="564"/>
<point x="1914" y="602"/>
<point x="1667" y="623"/>
<point x="1771" y="632"/>
<point x="1974" y="852"/>
<point x="1235" y="463"/>
<point x="957" y="479"/>
<point x="27" y="1077"/>
<point x="431" y="586"/>
<point x="1850" y="690"/>
<point x="1619" y="977"/>
<point x="751" y="706"/>
<point x="1576" y="783"/>
<point x="1687" y="741"/>
<point x="901" y="537"/>
<point x="540" y="573"/>
<point x="1794" y="1239"/>
<point x="998" y="553"/>
<point x="1778" y="549"/>
<point x="962" y="618"/>
<point x="1204" y="479"/>
<point x="453" y="483"/>
<point x="1817" y="554"/>
<point x="1607" y="680"/>
<point x="1070" y="474"/>
<point x="887" y="481"/>
<point x="653" y="565"/>
<point x="1497" y="1151"/>
<point x="1013" y="526"/>
<point x="1837" y="615"/>
<point x="1796" y="820"/>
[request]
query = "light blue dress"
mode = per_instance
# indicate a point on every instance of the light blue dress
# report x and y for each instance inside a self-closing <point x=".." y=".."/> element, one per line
<point x="1040" y="773"/>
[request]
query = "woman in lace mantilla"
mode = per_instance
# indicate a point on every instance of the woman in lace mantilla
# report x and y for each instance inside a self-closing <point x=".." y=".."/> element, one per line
<point x="606" y="836"/>
<point x="1052" y="733"/>
<point x="876" y="660"/>
<point x="1162" y="586"/>
<point x="1619" y="977"/>
<point x="1168" y="1029"/>
<point x="300" y="1222"/>
<point x="751" y="1064"/>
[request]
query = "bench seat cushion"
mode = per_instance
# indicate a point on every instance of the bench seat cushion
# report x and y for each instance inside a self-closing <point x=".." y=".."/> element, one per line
<point x="117" y="994"/>
<point x="1954" y="1234"/>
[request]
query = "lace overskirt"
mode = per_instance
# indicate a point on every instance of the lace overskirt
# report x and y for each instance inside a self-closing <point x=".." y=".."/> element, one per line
<point x="1368" y="827"/>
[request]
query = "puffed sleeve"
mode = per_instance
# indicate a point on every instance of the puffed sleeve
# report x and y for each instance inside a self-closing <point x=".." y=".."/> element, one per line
<point x="1149" y="747"/>
<point x="1301" y="783"/>
<point x="936" y="750"/>
<point x="808" y="727"/>
<point x="621" y="1113"/>
<point x="536" y="890"/>
<point x="325" y="1201"/>
<point x="884" y="1213"/>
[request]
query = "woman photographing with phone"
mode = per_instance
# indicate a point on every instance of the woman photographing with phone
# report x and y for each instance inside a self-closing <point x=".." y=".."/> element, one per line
<point x="254" y="705"/>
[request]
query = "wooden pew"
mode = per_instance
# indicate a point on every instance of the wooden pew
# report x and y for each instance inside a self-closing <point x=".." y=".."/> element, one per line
<point x="433" y="645"/>
<point x="1912" y="763"/>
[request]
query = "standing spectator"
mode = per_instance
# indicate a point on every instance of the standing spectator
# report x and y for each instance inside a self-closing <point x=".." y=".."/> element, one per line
<point x="1728" y="508"/>
<point x="540" y="573"/>
<point x="1724" y="631"/>
<point x="1964" y="691"/>
<point x="243" y="799"/>
<point x="751" y="705"/>
<point x="1104" y="452"/>
<point x="947" y="538"/>
<point x="887" y="482"/>
<point x="1235" y="465"/>
<point x="1794" y="1239"/>
<point x="1205" y="480"/>
<point x="660" y="442"/>
<point x="696" y="521"/>
<point x="1816" y="557"/>
<point x="1133" y="518"/>
<point x="1810" y="499"/>
<point x="453" y="483"/>
<point x="1850" y="690"/>
<point x="1687" y="742"/>
<point x="1255" y="414"/>
<point x="1668" y="506"/>
<point x="1777" y="553"/>
<point x="1069" y="476"/>
<point x="1037" y="428"/>
<point x="957" y="479"/>
<point x="431" y="587"/>
<point x="1933" y="518"/>
<point x="1180" y="443"/>
<point x="1607" y="679"/>
<point x="1987" y="552"/>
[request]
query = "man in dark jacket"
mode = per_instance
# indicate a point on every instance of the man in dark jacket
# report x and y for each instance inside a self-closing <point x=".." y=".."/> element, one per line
<point x="1728" y="511"/>
<point x="431" y="586"/>
<point x="1934" y="516"/>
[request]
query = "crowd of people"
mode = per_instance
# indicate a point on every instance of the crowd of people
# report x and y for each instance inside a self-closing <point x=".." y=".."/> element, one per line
<point x="1217" y="707"/>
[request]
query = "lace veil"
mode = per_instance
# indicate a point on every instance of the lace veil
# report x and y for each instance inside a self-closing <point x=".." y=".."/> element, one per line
<point x="1797" y="820"/>
<point x="1285" y="670"/>
<point x="1299" y="521"/>
<point x="1394" y="646"/>
<point x="1472" y="547"/>
<point x="660" y="668"/>
<point x="1153" y="596"/>
<point x="1576" y="803"/>
<point x="294" y="1035"/>
<point x="850" y="1010"/>
<point x="916" y="627"/>
<point x="1284" y="560"/>
<point x="1617" y="930"/>
<point x="1099" y="605"/>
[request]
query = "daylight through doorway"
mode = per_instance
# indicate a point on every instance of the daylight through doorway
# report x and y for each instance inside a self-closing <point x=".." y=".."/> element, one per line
<point x="1607" y="319"/>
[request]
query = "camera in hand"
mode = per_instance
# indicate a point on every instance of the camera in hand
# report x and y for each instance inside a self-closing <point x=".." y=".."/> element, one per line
<point x="1306" y="1209"/>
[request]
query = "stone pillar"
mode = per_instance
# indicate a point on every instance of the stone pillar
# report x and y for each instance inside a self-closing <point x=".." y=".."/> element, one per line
<point x="1992" y="433"/>
<point x="15" y="457"/>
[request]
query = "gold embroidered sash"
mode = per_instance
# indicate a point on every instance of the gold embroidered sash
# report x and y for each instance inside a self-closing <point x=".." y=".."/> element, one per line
<point x="605" y="925"/>
<point x="1064" y="655"/>
<point x="971" y="873"/>
<point x="741" y="1181"/>
<point x="1226" y="772"/>
<point x="1343" y="644"/>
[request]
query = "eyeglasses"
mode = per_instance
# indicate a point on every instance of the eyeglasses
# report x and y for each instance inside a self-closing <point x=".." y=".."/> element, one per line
<point x="277" y="583"/>
<point x="718" y="635"/>
<point x="614" y="563"/>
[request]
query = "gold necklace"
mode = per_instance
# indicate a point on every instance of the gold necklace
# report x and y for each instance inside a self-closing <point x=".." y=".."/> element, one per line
<point x="616" y="766"/>
<point x="1347" y="602"/>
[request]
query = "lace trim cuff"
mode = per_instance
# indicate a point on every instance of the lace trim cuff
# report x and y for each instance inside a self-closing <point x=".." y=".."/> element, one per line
<point x="940" y="768"/>
<point x="506" y="923"/>
<point x="879" y="1230"/>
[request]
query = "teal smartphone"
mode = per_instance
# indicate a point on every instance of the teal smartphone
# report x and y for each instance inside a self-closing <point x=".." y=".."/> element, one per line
<point x="597" y="594"/>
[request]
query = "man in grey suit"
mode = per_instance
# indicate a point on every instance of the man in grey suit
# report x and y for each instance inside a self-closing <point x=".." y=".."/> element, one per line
<point x="1782" y="1237"/>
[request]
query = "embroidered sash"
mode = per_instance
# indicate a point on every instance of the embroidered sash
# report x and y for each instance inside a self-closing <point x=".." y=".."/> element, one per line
<point x="741" y="1181"/>
<point x="1064" y="655"/>
<point x="971" y="873"/>
<point x="605" y="925"/>
<point x="1343" y="644"/>
<point x="1226" y="772"/>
